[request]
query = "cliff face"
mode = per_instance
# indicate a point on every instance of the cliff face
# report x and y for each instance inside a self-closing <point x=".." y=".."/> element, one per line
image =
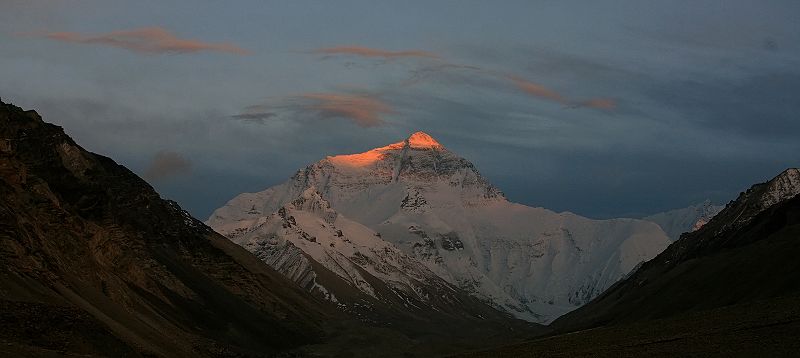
<point x="95" y="262"/>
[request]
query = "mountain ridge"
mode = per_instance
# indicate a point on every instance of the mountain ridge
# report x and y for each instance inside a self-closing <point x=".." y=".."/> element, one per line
<point x="750" y="229"/>
<point x="678" y="221"/>
<point x="730" y="288"/>
<point x="436" y="207"/>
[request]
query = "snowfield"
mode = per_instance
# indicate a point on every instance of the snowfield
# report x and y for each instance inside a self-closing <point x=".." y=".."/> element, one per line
<point x="413" y="213"/>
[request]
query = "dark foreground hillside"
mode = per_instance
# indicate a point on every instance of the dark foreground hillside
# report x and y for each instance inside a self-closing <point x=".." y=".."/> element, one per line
<point x="729" y="289"/>
<point x="94" y="263"/>
<point x="768" y="328"/>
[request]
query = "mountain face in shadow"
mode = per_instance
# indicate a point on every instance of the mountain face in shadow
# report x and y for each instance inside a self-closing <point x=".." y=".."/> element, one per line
<point x="747" y="252"/>
<point x="94" y="262"/>
<point x="731" y="288"/>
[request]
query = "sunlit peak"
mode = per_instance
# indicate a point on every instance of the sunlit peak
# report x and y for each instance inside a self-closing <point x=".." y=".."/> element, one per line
<point x="422" y="140"/>
<point x="418" y="140"/>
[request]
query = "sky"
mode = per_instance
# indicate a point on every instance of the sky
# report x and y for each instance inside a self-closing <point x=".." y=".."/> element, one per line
<point x="605" y="109"/>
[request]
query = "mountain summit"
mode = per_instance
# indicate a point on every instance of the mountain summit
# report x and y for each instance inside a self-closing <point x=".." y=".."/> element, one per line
<point x="421" y="140"/>
<point x="437" y="210"/>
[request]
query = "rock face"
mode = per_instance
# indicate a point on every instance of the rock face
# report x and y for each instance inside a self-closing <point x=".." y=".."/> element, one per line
<point x="94" y="262"/>
<point x="437" y="209"/>
<point x="747" y="254"/>
<point x="678" y="221"/>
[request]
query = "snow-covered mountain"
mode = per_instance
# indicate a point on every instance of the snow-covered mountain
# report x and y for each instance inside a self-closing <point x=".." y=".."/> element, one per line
<point x="310" y="243"/>
<point x="678" y="221"/>
<point x="435" y="209"/>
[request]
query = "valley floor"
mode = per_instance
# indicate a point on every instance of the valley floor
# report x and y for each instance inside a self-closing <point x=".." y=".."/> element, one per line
<point x="765" y="328"/>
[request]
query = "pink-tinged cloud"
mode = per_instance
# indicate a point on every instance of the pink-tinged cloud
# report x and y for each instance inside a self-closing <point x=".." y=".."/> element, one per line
<point x="151" y="40"/>
<point x="372" y="52"/>
<point x="537" y="90"/>
<point x="167" y="164"/>
<point x="364" y="111"/>
<point x="600" y="103"/>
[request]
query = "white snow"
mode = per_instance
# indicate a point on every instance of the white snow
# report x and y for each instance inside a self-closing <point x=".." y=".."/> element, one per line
<point x="434" y="208"/>
<point x="678" y="221"/>
<point x="307" y="228"/>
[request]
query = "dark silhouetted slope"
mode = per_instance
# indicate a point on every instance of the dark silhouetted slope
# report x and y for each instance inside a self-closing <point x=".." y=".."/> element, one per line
<point x="94" y="262"/>
<point x="731" y="288"/>
<point x="748" y="252"/>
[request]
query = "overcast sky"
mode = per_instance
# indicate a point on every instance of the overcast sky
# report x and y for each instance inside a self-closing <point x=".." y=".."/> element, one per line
<point x="603" y="108"/>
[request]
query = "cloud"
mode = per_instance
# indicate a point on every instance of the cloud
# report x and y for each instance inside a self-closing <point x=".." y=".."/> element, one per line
<point x="600" y="103"/>
<point x="373" y="53"/>
<point x="425" y="72"/>
<point x="167" y="164"/>
<point x="363" y="110"/>
<point x="254" y="117"/>
<point x="760" y="107"/>
<point x="149" y="40"/>
<point x="536" y="89"/>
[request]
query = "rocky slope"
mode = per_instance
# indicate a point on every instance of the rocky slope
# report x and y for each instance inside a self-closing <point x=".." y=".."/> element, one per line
<point x="437" y="209"/>
<point x="729" y="289"/>
<point x="94" y="262"/>
<point x="746" y="253"/>
<point x="678" y="221"/>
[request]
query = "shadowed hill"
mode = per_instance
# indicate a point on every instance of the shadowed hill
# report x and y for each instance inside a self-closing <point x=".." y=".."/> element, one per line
<point x="731" y="288"/>
<point x="748" y="252"/>
<point x="95" y="262"/>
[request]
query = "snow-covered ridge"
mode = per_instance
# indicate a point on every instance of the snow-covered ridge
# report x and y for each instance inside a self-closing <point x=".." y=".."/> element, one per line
<point x="678" y="221"/>
<point x="437" y="209"/>
<point x="308" y="231"/>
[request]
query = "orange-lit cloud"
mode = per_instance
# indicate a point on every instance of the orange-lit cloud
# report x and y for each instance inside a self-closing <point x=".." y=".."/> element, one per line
<point x="422" y="73"/>
<point x="372" y="52"/>
<point x="152" y="40"/>
<point x="166" y="164"/>
<point x="363" y="110"/>
<point x="537" y="90"/>
<point x="600" y="103"/>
